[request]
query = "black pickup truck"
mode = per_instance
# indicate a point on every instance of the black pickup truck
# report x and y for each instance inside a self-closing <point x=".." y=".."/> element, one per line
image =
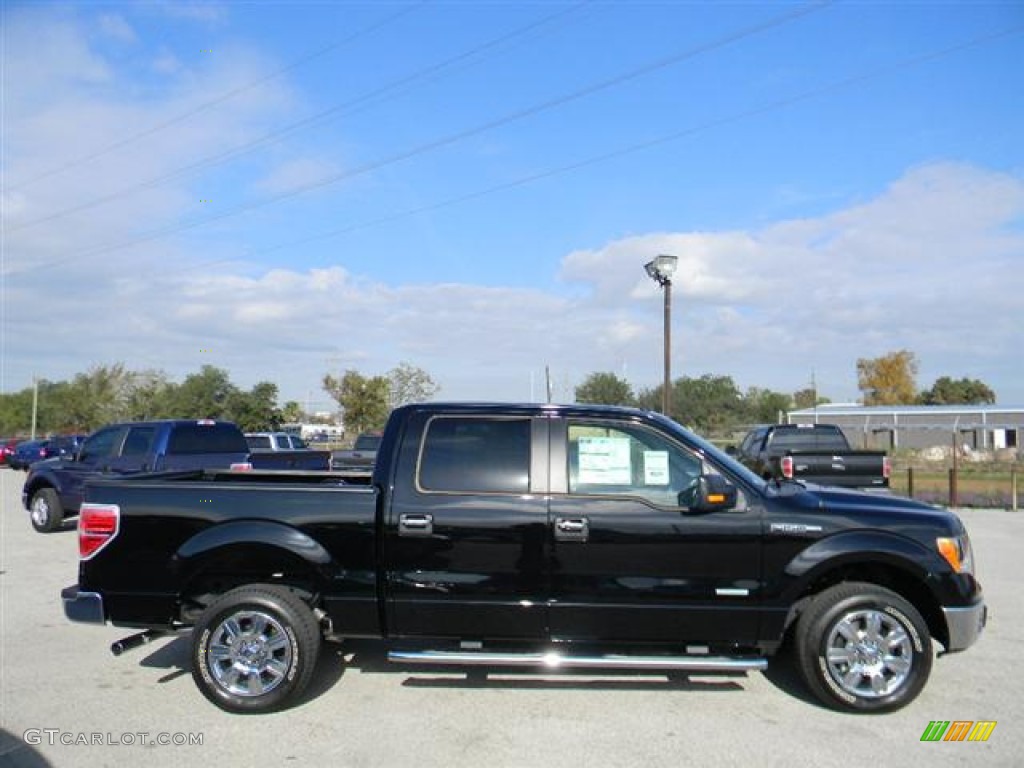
<point x="504" y="535"/>
<point x="813" y="453"/>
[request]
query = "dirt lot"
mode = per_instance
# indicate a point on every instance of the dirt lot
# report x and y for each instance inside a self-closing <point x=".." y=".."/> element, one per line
<point x="61" y="689"/>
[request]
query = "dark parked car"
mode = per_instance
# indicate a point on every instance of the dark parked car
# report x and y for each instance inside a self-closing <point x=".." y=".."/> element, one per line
<point x="64" y="445"/>
<point x="7" y="445"/>
<point x="27" y="452"/>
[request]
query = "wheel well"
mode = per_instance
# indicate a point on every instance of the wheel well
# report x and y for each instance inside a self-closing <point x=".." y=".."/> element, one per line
<point x="36" y="487"/>
<point x="224" y="570"/>
<point x="890" y="577"/>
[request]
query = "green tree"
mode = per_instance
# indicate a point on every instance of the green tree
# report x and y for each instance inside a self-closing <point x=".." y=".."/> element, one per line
<point x="808" y="398"/>
<point x="255" y="410"/>
<point x="409" y="384"/>
<point x="292" y="413"/>
<point x="888" y="380"/>
<point x="204" y="395"/>
<point x="764" y="406"/>
<point x="947" y="391"/>
<point x="150" y="396"/>
<point x="16" y="412"/>
<point x="605" y="389"/>
<point x="709" y="404"/>
<point x="364" y="400"/>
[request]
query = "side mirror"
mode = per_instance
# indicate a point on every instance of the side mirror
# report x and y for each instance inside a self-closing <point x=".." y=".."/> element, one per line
<point x="714" y="494"/>
<point x="731" y="450"/>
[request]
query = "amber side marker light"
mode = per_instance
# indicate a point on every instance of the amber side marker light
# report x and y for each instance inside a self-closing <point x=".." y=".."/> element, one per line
<point x="956" y="552"/>
<point x="716" y="498"/>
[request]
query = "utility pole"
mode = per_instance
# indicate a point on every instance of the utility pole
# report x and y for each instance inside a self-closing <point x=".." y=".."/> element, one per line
<point x="35" y="403"/>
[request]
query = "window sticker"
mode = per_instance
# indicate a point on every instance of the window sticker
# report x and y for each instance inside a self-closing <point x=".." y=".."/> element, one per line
<point x="605" y="461"/>
<point x="656" y="468"/>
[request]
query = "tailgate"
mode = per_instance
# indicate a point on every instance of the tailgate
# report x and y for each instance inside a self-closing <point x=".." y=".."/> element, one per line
<point x="854" y="469"/>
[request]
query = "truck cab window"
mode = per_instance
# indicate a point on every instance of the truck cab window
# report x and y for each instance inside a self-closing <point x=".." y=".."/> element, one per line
<point x="138" y="441"/>
<point x="630" y="461"/>
<point x="476" y="455"/>
<point x="100" y="445"/>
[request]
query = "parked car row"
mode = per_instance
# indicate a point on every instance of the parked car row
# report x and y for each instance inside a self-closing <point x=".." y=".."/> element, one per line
<point x="21" y="454"/>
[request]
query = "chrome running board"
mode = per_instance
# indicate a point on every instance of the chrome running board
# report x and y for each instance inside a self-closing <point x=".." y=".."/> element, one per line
<point x="554" y="660"/>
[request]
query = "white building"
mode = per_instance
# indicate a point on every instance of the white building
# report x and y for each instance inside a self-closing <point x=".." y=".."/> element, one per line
<point x="885" y="427"/>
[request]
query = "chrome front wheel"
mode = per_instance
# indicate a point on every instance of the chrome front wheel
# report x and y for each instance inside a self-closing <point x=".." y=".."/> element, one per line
<point x="869" y="654"/>
<point x="863" y="648"/>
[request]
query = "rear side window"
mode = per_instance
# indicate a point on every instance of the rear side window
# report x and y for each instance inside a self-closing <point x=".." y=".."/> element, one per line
<point x="206" y="438"/>
<point x="476" y="455"/>
<point x="138" y="441"/>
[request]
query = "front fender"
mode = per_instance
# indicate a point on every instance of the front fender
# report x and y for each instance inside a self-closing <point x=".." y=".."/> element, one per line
<point x="36" y="480"/>
<point x="861" y="549"/>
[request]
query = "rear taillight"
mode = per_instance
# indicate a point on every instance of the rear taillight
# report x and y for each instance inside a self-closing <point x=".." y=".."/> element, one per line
<point x="241" y="466"/>
<point x="98" y="524"/>
<point x="886" y="467"/>
<point x="786" y="464"/>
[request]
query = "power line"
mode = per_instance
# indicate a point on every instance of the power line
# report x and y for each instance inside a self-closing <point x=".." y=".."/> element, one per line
<point x="226" y="96"/>
<point x="766" y="108"/>
<point x="344" y="109"/>
<point x="458" y="136"/>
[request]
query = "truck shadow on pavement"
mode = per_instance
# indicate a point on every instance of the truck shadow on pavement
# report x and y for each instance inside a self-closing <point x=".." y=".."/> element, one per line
<point x="176" y="657"/>
<point x="370" y="657"/>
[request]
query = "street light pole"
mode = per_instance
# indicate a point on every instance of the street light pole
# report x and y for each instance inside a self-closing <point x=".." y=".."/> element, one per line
<point x="666" y="394"/>
<point x="661" y="270"/>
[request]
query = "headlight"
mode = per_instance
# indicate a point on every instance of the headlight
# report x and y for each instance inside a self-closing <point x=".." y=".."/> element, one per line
<point x="957" y="552"/>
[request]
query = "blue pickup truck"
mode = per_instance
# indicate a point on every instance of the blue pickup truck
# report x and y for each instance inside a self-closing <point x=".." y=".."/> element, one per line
<point x="53" y="489"/>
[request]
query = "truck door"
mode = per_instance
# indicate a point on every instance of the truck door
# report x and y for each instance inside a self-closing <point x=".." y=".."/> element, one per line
<point x="631" y="561"/>
<point x="94" y="457"/>
<point x="466" y="542"/>
<point x="136" y="450"/>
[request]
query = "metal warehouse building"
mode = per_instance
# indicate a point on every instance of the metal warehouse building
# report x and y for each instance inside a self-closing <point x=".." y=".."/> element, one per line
<point x="885" y="427"/>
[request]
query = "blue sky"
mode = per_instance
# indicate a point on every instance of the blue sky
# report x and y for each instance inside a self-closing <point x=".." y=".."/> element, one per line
<point x="286" y="189"/>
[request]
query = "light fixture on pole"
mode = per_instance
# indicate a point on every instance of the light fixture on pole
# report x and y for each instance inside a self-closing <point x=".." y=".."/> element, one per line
<point x="661" y="270"/>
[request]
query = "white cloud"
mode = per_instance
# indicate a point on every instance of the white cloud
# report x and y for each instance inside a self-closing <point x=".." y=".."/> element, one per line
<point x="294" y="174"/>
<point x="766" y="307"/>
<point x="115" y="27"/>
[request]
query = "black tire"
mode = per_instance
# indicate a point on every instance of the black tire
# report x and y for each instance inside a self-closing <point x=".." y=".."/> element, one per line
<point x="45" y="510"/>
<point x="863" y="648"/>
<point x="255" y="648"/>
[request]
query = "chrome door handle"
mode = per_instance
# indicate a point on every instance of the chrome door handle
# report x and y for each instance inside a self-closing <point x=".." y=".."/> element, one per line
<point x="416" y="525"/>
<point x="572" y="529"/>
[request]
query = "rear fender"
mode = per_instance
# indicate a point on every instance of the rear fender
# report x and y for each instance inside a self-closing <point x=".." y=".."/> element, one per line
<point x="248" y="549"/>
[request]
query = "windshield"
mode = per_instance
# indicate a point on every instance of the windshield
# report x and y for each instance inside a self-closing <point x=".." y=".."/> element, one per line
<point x="724" y="461"/>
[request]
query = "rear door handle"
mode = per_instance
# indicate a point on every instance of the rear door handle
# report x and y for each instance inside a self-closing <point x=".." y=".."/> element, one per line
<point x="572" y="529"/>
<point x="416" y="525"/>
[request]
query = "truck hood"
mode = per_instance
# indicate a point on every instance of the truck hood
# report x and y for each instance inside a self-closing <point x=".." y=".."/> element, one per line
<point x="863" y="506"/>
